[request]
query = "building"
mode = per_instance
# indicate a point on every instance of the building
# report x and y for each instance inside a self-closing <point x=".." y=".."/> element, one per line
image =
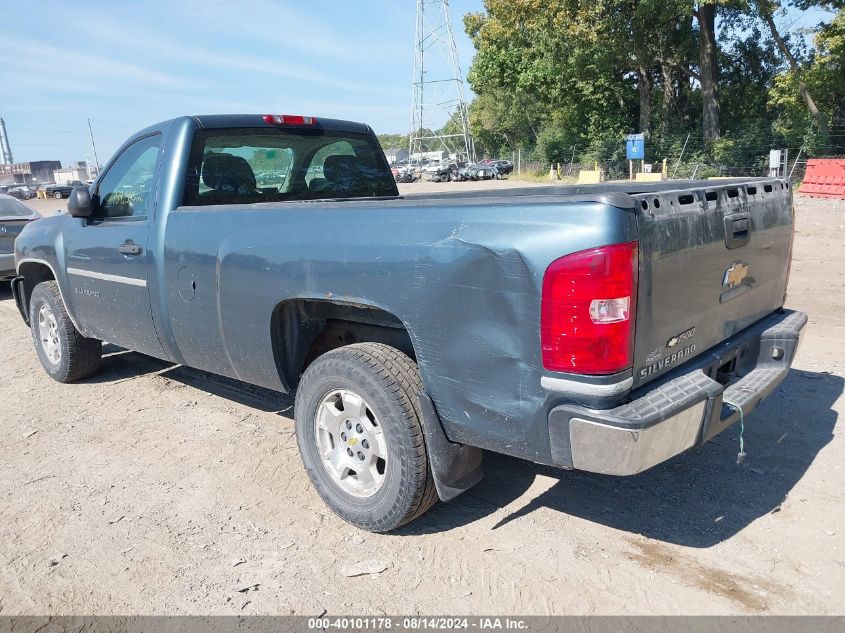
<point x="78" y="172"/>
<point x="395" y="155"/>
<point x="35" y="172"/>
<point x="434" y="156"/>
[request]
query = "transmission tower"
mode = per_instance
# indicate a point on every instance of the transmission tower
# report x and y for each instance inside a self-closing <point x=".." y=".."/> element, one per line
<point x="438" y="86"/>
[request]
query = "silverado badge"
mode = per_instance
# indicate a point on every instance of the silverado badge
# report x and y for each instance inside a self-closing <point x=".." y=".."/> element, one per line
<point x="735" y="274"/>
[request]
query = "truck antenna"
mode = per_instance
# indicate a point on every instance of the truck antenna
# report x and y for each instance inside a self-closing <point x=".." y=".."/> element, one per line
<point x="94" y="146"/>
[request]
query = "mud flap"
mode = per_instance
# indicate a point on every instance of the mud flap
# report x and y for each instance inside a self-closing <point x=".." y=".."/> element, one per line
<point x="455" y="467"/>
<point x="20" y="297"/>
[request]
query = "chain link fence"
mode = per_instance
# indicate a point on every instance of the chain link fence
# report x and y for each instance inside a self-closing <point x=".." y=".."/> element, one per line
<point x="685" y="159"/>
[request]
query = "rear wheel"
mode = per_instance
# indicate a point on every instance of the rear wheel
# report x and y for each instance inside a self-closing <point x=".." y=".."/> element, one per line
<point x="64" y="353"/>
<point x="358" y="426"/>
<point x="58" y="195"/>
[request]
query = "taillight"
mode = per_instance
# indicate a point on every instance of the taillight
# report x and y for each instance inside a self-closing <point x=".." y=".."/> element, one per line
<point x="588" y="310"/>
<point x="289" y="119"/>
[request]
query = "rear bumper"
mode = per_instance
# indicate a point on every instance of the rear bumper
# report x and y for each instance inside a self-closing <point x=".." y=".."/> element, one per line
<point x="7" y="266"/>
<point x="683" y="410"/>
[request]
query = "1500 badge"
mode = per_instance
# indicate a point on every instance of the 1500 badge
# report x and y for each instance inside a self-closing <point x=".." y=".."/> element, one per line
<point x="680" y="338"/>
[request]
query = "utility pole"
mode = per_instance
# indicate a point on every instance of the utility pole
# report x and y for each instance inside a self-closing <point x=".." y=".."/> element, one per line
<point x="437" y="86"/>
<point x="87" y="160"/>
<point x="681" y="158"/>
<point x="94" y="147"/>
<point x="5" y="148"/>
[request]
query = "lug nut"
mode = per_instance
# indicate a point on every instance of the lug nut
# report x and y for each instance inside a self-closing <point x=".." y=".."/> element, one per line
<point x="359" y="428"/>
<point x="349" y="452"/>
<point x="361" y="456"/>
<point x="365" y="444"/>
<point x="343" y="436"/>
<point x="348" y="424"/>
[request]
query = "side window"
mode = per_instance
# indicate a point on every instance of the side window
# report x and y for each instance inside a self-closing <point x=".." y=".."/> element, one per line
<point x="127" y="187"/>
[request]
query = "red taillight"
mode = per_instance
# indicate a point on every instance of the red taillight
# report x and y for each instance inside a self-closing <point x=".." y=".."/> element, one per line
<point x="588" y="310"/>
<point x="289" y="119"/>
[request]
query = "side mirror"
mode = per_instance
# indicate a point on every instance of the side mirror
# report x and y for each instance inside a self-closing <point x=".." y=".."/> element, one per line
<point x="79" y="203"/>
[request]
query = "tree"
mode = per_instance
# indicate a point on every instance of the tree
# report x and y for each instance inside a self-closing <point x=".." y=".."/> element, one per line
<point x="767" y="10"/>
<point x="708" y="74"/>
<point x="393" y="141"/>
<point x="824" y="78"/>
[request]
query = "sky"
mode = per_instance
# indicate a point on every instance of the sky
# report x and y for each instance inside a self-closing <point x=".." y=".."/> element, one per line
<point x="125" y="65"/>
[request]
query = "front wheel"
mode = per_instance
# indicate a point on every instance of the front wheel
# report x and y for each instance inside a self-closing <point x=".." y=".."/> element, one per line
<point x="64" y="353"/>
<point x="359" y="430"/>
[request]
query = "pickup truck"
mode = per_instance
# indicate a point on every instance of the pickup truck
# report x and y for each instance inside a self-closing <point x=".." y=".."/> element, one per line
<point x="605" y="328"/>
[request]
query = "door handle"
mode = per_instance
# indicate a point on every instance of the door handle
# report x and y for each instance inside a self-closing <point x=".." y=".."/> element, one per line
<point x="129" y="248"/>
<point x="737" y="230"/>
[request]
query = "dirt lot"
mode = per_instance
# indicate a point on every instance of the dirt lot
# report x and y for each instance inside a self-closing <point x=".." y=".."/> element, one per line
<point x="159" y="489"/>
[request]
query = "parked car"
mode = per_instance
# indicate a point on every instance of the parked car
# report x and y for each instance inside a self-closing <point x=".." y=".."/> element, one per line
<point x="605" y="328"/>
<point x="14" y="215"/>
<point x="58" y="191"/>
<point x="21" y="193"/>
<point x="404" y="174"/>
<point x="482" y="171"/>
<point x="444" y="171"/>
<point x="504" y="167"/>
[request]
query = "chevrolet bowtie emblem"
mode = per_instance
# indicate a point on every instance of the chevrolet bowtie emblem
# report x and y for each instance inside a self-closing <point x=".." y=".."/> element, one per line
<point x="735" y="274"/>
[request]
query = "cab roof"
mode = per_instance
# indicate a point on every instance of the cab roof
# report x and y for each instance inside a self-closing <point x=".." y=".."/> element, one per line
<point x="257" y="120"/>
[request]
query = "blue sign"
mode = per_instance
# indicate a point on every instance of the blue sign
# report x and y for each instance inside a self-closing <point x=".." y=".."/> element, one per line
<point x="635" y="147"/>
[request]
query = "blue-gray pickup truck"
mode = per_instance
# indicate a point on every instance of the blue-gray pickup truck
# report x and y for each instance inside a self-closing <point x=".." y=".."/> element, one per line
<point x="605" y="328"/>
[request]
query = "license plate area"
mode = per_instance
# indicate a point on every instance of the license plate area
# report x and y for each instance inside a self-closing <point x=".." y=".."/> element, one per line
<point x="725" y="374"/>
<point x="732" y="363"/>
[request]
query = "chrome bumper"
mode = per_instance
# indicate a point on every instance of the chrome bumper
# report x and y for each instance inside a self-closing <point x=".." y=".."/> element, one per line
<point x="683" y="411"/>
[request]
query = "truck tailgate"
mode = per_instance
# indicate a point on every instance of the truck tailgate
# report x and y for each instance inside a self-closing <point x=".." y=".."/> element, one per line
<point x="714" y="259"/>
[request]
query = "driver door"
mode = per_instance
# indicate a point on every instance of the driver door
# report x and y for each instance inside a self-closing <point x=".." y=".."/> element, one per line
<point x="106" y="256"/>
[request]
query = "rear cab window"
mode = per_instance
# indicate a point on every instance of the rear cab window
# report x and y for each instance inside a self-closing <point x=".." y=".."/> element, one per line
<point x="251" y="165"/>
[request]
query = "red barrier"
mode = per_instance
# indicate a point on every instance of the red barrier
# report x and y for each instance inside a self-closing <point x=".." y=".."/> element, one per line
<point x="825" y="178"/>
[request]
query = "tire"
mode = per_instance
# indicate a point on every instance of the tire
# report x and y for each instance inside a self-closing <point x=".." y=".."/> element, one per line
<point x="67" y="356"/>
<point x="58" y="195"/>
<point x="389" y="383"/>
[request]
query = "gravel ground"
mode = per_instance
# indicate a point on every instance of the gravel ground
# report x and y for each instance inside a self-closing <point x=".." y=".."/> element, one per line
<point x="156" y="489"/>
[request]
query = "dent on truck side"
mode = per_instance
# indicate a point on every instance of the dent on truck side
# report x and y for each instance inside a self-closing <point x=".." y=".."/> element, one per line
<point x="464" y="278"/>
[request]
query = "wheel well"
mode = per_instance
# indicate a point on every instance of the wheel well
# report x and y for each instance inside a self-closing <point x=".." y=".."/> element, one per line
<point x="303" y="329"/>
<point x="33" y="274"/>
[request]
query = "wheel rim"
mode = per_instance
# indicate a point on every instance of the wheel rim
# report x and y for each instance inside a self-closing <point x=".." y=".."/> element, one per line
<point x="351" y="443"/>
<point x="48" y="334"/>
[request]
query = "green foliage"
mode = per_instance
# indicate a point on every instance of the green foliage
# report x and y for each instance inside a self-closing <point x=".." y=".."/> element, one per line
<point x="824" y="76"/>
<point x="555" y="144"/>
<point x="551" y="75"/>
<point x="393" y="141"/>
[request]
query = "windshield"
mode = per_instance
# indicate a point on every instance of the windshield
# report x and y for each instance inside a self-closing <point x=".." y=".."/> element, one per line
<point x="248" y="165"/>
<point x="9" y="207"/>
